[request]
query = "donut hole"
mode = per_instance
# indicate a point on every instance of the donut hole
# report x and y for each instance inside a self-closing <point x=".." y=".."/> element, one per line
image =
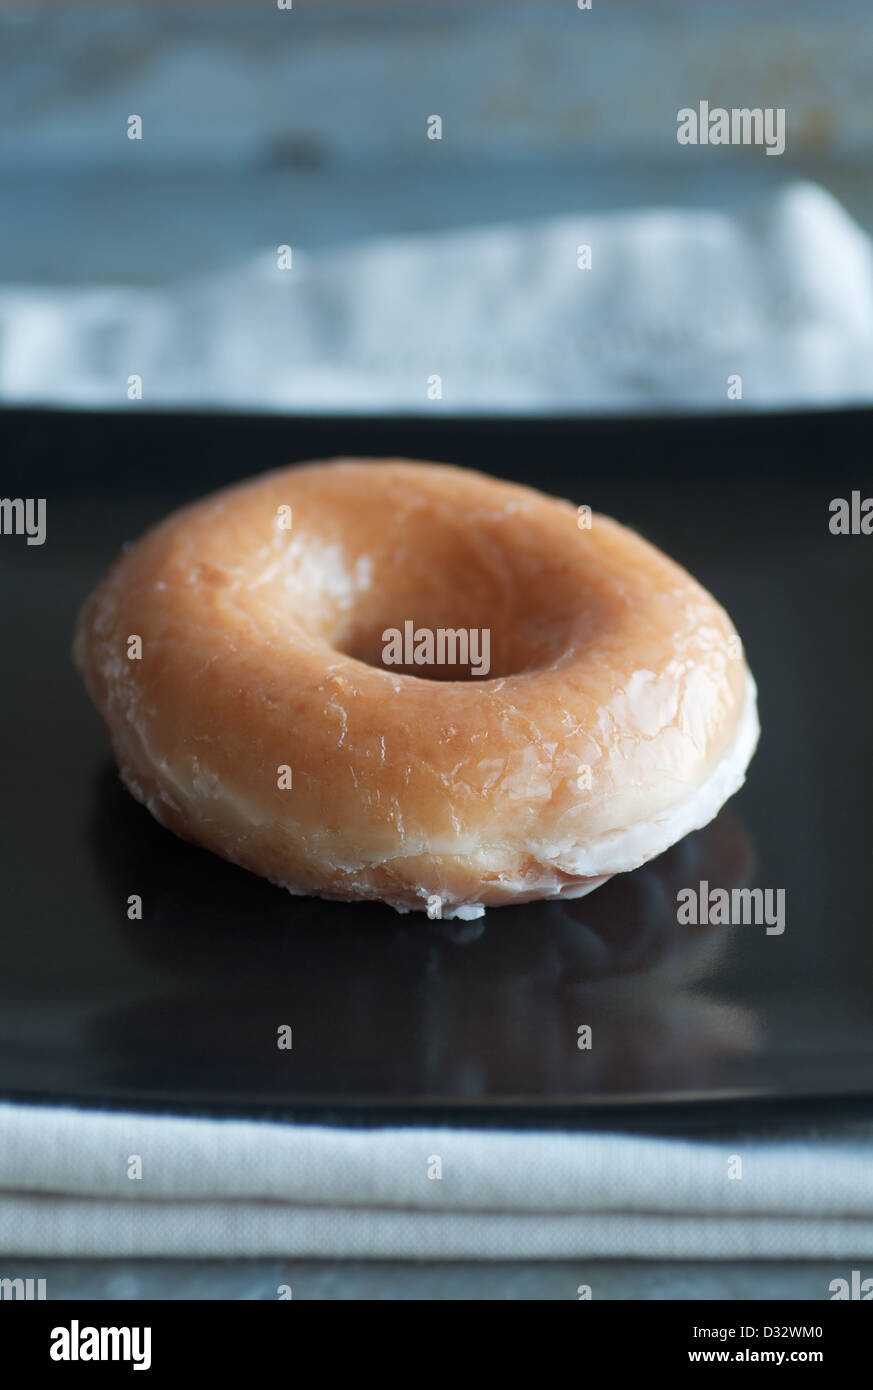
<point x="463" y="623"/>
<point x="436" y="650"/>
<point x="425" y="588"/>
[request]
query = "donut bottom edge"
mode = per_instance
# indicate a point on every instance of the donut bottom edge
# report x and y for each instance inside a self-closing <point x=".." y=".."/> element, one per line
<point x="571" y="875"/>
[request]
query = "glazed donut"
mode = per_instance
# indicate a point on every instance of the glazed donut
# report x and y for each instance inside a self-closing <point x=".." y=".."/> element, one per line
<point x="260" y="714"/>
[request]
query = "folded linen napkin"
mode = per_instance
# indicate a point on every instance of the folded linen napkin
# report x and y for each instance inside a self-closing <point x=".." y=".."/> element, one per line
<point x="218" y="1187"/>
<point x="675" y="306"/>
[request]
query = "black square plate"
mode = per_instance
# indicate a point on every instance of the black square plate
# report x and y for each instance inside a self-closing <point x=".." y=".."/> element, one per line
<point x="397" y="1017"/>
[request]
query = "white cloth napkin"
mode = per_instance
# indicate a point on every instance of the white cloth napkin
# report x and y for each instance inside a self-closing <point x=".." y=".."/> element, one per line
<point x="239" y="1188"/>
<point x="675" y="303"/>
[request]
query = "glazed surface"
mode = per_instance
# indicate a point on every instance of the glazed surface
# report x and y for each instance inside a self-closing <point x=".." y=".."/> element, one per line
<point x="618" y="713"/>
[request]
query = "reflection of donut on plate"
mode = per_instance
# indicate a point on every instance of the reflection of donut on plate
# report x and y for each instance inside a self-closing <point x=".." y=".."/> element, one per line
<point x="636" y="920"/>
<point x="383" y="1005"/>
<point x="256" y="715"/>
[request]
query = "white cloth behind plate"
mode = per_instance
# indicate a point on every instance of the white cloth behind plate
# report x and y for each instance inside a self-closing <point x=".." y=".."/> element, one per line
<point x="235" y="1188"/>
<point x="674" y="304"/>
